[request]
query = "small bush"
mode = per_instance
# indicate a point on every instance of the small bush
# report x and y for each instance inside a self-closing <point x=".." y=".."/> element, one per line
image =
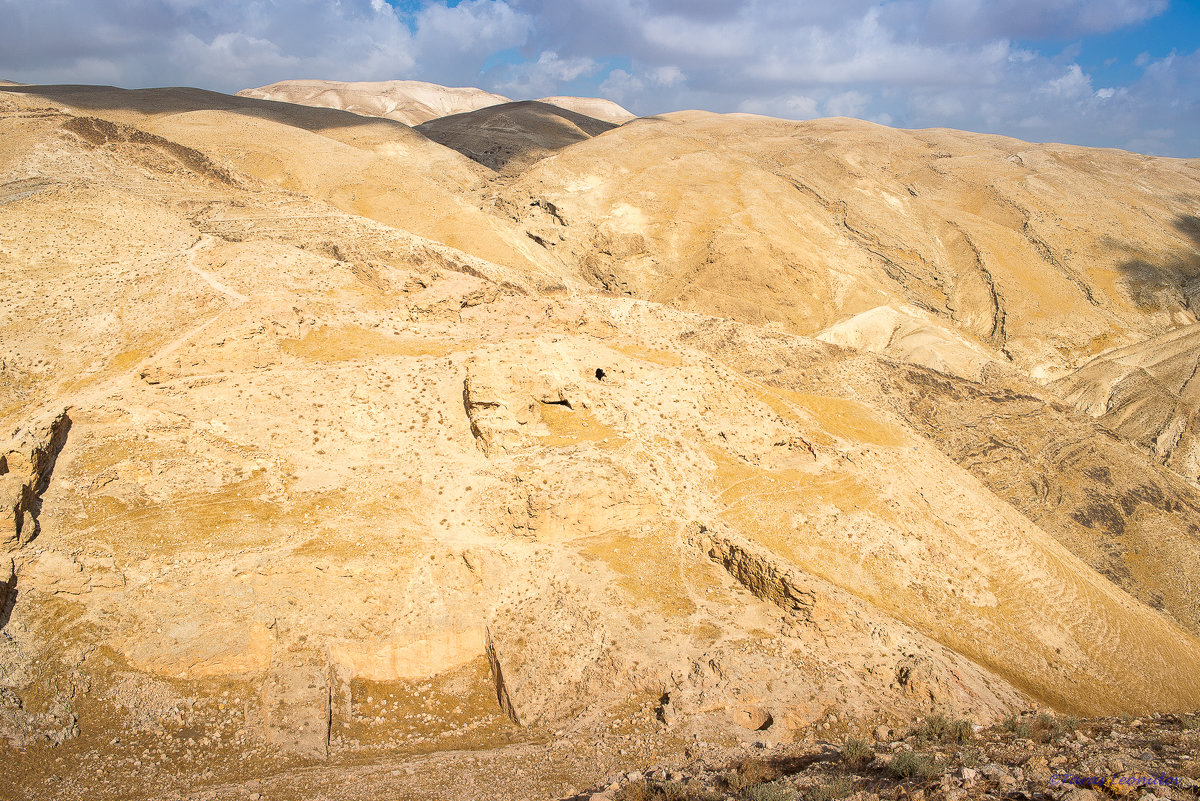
<point x="911" y="765"/>
<point x="1018" y="727"/>
<point x="635" y="791"/>
<point x="1044" y="728"/>
<point x="1047" y="728"/>
<point x="758" y="771"/>
<point x="857" y="752"/>
<point x="674" y="791"/>
<point x="735" y="781"/>
<point x="940" y="728"/>
<point x="833" y="791"/>
<point x="1189" y="722"/>
<point x="770" y="791"/>
<point x="1062" y="727"/>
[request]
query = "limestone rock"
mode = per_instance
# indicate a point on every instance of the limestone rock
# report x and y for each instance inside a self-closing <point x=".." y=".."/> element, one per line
<point x="909" y="335"/>
<point x="1149" y="394"/>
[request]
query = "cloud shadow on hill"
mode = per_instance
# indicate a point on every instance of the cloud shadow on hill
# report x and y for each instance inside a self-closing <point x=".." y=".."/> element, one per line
<point x="1169" y="284"/>
<point x="180" y="100"/>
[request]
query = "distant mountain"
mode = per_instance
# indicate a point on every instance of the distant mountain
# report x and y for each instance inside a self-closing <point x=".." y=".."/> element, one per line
<point x="409" y="102"/>
<point x="415" y="102"/>
<point x="596" y="107"/>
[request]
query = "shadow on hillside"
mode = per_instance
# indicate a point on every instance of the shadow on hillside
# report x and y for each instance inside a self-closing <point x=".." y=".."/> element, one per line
<point x="1171" y="284"/>
<point x="515" y="134"/>
<point x="8" y="599"/>
<point x="179" y="100"/>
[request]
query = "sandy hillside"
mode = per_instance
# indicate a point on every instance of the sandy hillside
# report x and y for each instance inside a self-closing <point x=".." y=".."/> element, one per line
<point x="344" y="465"/>
<point x="353" y="163"/>
<point x="409" y="102"/>
<point x="597" y="107"/>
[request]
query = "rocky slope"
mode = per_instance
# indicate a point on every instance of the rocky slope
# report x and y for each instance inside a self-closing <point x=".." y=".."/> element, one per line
<point x="1149" y="394"/>
<point x="335" y="454"/>
<point x="1046" y="254"/>
<point x="1029" y="756"/>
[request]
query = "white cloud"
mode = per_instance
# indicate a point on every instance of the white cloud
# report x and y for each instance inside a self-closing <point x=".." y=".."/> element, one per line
<point x="666" y="76"/>
<point x="1073" y="84"/>
<point x="230" y="52"/>
<point x="915" y="62"/>
<point x="481" y="25"/>
<point x="229" y="45"/>
<point x="847" y="104"/>
<point x="541" y="77"/>
<point x="801" y="106"/>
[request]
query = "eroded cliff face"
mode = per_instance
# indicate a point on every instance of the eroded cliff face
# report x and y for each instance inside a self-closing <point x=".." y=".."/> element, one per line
<point x="326" y="489"/>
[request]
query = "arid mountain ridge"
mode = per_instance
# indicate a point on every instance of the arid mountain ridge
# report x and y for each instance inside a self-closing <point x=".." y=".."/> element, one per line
<point x="340" y="441"/>
<point x="415" y="102"/>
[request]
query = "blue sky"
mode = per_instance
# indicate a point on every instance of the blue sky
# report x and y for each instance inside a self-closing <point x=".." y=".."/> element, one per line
<point x="1118" y="73"/>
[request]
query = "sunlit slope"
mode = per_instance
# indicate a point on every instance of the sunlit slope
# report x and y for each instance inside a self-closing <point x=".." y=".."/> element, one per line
<point x="240" y="429"/>
<point x="302" y="459"/>
<point x="376" y="168"/>
<point x="1131" y="520"/>
<point x="597" y="107"/>
<point x="409" y="102"/>
<point x="1047" y="254"/>
<point x="415" y="102"/>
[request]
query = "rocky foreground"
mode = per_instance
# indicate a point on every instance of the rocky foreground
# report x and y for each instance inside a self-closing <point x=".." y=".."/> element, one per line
<point x="1034" y="755"/>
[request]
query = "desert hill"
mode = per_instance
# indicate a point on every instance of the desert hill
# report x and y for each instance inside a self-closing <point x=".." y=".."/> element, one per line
<point x="512" y="136"/>
<point x="409" y="102"/>
<point x="597" y="107"/>
<point x="415" y="102"/>
<point x="805" y="225"/>
<point x="352" y="162"/>
<point x="338" y="457"/>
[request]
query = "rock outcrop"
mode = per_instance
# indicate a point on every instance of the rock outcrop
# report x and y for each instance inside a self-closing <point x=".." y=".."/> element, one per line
<point x="1149" y="394"/>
